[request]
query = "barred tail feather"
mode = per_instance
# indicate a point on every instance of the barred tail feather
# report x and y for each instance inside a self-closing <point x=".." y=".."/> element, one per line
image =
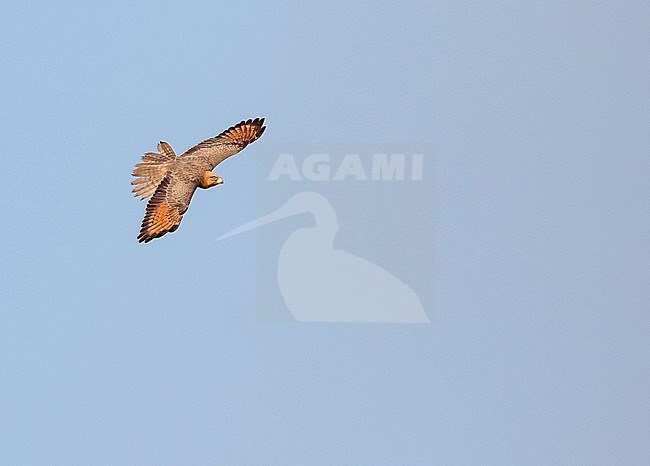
<point x="151" y="171"/>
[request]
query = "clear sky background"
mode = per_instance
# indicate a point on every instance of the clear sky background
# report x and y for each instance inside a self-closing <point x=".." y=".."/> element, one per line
<point x="112" y="352"/>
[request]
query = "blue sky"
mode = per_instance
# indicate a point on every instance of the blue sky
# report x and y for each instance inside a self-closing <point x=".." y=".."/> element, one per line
<point x="113" y="352"/>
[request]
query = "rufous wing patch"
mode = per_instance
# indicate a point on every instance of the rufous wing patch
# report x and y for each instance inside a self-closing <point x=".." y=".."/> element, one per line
<point x="244" y="132"/>
<point x="160" y="218"/>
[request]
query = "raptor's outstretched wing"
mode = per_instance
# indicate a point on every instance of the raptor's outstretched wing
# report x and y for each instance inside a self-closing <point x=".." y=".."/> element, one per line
<point x="215" y="150"/>
<point x="166" y="207"/>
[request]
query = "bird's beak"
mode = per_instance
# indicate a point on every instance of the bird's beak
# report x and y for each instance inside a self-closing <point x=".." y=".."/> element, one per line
<point x="285" y="211"/>
<point x="219" y="180"/>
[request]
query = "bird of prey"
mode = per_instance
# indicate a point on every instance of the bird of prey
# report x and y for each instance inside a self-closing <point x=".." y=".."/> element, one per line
<point x="171" y="180"/>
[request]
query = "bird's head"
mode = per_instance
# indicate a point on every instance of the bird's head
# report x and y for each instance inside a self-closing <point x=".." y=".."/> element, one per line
<point x="216" y="179"/>
<point x="210" y="179"/>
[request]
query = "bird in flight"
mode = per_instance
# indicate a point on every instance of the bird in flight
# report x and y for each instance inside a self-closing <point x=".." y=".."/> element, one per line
<point x="171" y="180"/>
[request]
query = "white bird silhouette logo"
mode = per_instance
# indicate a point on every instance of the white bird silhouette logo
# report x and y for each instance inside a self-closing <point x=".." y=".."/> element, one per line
<point x="323" y="284"/>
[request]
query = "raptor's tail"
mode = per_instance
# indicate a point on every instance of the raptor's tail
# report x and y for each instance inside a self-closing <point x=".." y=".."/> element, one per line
<point x="151" y="171"/>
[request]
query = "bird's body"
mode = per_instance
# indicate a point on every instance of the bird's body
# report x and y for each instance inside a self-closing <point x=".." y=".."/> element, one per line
<point x="171" y="180"/>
